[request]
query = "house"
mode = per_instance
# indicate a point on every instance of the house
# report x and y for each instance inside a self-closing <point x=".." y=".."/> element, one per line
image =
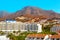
<point x="55" y="37"/>
<point x="35" y="37"/>
<point x="55" y="28"/>
<point x="42" y="37"/>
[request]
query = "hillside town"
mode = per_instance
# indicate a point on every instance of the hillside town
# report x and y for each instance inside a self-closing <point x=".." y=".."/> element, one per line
<point x="29" y="19"/>
<point x="33" y="29"/>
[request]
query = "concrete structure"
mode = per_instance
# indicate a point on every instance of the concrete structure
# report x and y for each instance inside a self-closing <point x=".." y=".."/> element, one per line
<point x="15" y="26"/>
<point x="39" y="28"/>
<point x="42" y="36"/>
<point x="3" y="37"/>
<point x="55" y="28"/>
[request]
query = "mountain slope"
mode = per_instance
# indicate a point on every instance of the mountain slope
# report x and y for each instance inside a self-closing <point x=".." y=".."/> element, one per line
<point x="32" y="12"/>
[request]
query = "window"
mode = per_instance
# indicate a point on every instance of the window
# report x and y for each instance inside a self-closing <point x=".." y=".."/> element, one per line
<point x="38" y="38"/>
<point x="33" y="38"/>
<point x="57" y="39"/>
<point x="53" y="39"/>
<point x="42" y="38"/>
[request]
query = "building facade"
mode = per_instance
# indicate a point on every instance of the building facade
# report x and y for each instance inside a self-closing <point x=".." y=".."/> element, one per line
<point x="55" y="28"/>
<point x="15" y="26"/>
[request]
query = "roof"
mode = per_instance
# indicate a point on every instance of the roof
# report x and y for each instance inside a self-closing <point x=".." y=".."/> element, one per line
<point x="42" y="36"/>
<point x="36" y="35"/>
<point x="55" y="36"/>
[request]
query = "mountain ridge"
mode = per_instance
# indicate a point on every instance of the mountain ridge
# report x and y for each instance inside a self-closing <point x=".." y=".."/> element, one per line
<point x="32" y="12"/>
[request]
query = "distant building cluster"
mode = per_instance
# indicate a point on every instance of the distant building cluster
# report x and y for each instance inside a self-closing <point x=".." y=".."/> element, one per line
<point x="12" y="25"/>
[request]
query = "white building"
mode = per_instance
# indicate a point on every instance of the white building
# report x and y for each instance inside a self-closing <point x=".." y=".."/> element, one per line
<point x="15" y="26"/>
<point x="3" y="37"/>
<point x="39" y="28"/>
<point x="55" y="28"/>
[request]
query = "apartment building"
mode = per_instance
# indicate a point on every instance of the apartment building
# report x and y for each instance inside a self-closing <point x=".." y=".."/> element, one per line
<point x="55" y="28"/>
<point x="15" y="26"/>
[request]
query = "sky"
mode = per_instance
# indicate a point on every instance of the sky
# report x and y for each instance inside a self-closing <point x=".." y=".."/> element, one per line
<point x="15" y="5"/>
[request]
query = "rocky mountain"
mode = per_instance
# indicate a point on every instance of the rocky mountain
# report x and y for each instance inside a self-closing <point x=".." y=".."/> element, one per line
<point x="31" y="12"/>
<point x="34" y="11"/>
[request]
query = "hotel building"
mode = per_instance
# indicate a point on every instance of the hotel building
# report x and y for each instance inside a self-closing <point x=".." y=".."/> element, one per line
<point x="15" y="26"/>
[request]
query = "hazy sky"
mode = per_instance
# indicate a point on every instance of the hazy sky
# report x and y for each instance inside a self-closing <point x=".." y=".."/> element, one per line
<point x="14" y="5"/>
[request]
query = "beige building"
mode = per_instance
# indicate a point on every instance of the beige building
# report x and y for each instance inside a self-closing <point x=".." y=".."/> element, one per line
<point x="15" y="26"/>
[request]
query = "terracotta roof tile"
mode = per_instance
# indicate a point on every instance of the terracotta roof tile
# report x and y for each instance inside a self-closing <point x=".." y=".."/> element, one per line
<point x="55" y="36"/>
<point x="42" y="35"/>
<point x="36" y="35"/>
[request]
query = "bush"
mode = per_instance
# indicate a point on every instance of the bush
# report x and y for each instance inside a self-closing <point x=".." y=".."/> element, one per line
<point x="53" y="33"/>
